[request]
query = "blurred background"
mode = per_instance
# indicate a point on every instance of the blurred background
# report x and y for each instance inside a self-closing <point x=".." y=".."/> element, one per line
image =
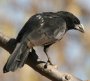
<point x="71" y="54"/>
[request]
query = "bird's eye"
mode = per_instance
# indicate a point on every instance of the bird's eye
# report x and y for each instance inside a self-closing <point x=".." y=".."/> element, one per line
<point x="76" y="22"/>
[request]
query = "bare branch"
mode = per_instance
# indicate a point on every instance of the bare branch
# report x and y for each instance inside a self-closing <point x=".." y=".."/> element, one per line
<point x="48" y="71"/>
<point x="7" y="43"/>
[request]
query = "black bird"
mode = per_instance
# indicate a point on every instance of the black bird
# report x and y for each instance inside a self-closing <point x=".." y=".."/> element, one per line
<point x="42" y="29"/>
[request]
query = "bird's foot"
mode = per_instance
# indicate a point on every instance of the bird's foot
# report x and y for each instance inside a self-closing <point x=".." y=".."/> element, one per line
<point x="50" y="63"/>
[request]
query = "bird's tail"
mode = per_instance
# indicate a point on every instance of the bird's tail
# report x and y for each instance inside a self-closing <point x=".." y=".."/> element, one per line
<point x="17" y="58"/>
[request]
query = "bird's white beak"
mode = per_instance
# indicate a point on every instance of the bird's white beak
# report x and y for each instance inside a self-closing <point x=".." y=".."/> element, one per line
<point x="80" y="28"/>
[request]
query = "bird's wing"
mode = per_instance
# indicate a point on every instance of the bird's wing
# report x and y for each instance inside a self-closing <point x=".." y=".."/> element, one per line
<point x="48" y="22"/>
<point x="32" y="24"/>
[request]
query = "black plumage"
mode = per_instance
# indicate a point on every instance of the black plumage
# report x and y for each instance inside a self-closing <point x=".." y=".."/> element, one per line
<point x="42" y="29"/>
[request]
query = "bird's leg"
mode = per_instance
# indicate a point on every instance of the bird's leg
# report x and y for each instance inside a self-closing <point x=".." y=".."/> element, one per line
<point x="45" y="50"/>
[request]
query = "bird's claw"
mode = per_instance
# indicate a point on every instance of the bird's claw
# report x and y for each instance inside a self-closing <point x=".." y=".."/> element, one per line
<point x="49" y="62"/>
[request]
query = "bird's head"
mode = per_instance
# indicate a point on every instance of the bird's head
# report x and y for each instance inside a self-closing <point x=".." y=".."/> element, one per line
<point x="72" y="21"/>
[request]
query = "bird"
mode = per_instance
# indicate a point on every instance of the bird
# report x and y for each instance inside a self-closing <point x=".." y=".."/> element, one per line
<point x="42" y="29"/>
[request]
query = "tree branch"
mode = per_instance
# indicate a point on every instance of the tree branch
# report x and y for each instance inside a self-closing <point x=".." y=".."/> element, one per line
<point x="48" y="71"/>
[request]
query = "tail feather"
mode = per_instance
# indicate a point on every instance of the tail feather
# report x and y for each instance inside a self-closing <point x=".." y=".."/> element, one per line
<point x="17" y="58"/>
<point x="24" y="57"/>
